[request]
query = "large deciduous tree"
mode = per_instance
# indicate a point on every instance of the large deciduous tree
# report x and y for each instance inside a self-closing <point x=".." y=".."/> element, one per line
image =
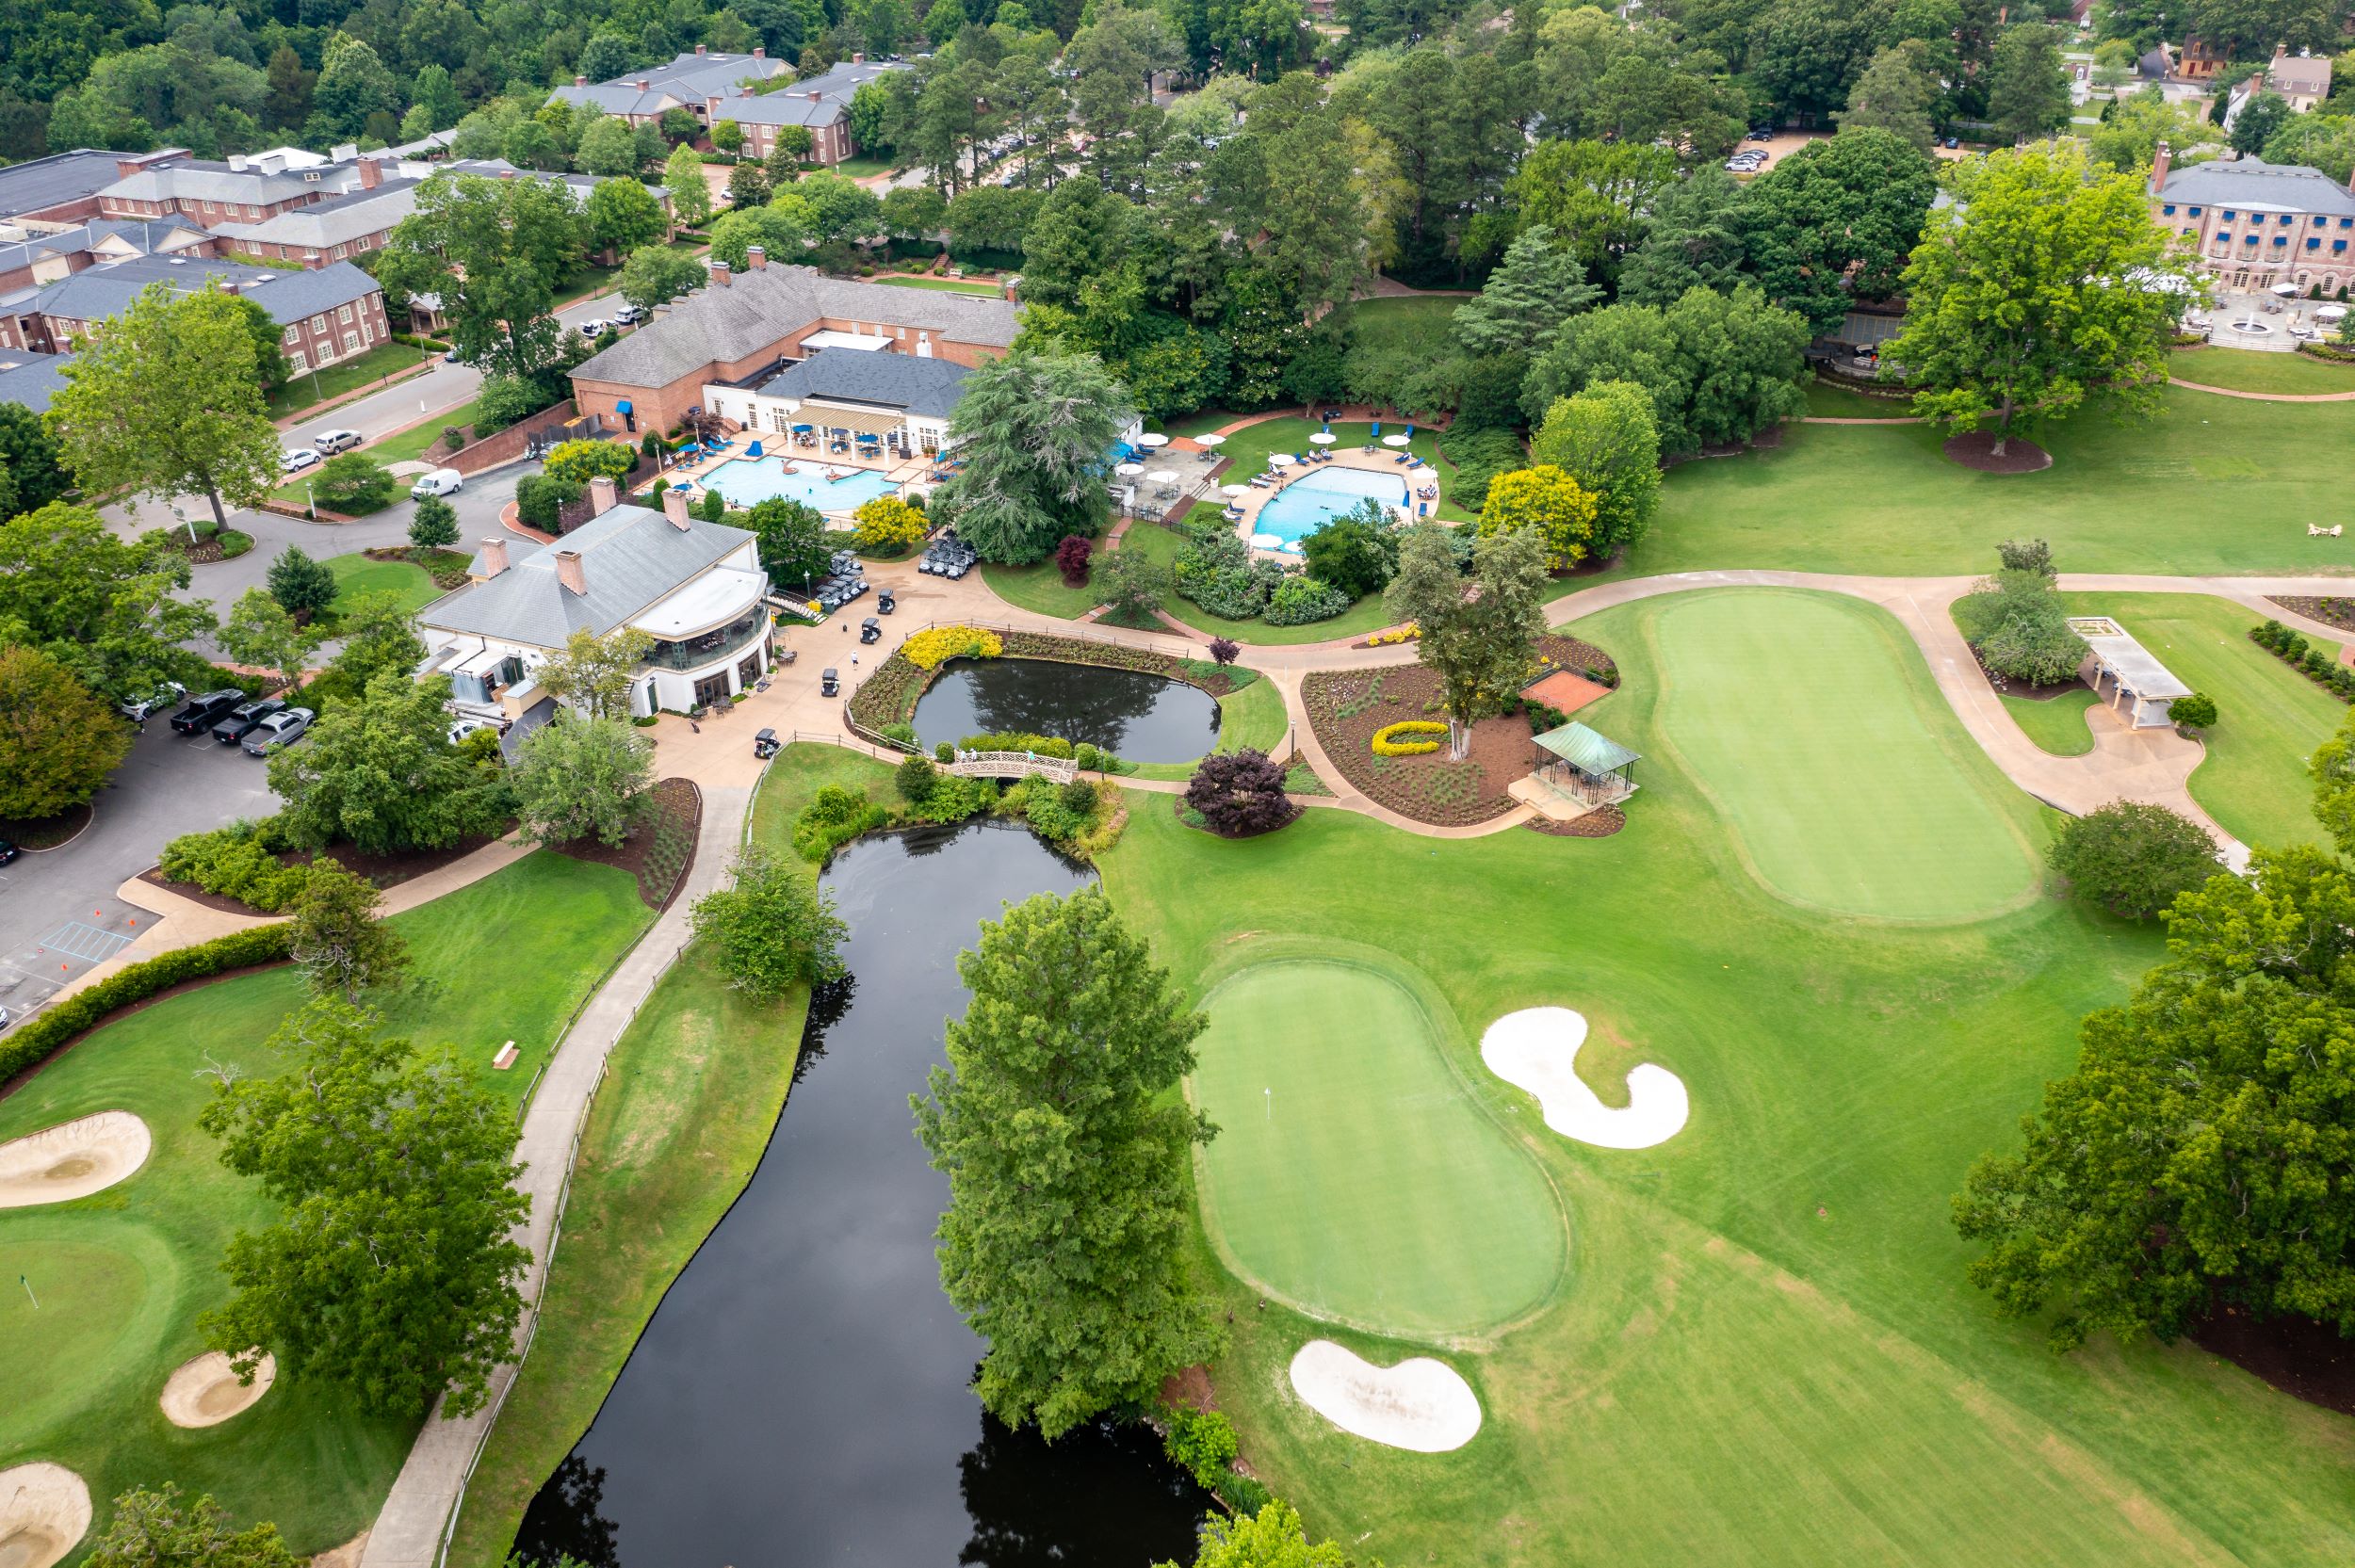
<point x="1720" y="367"/>
<point x="1594" y="197"/>
<point x="1547" y="502"/>
<point x="1035" y="430"/>
<point x="655" y="275"/>
<point x="390" y="1272"/>
<point x="167" y="401"/>
<point x="1479" y="636"/>
<point x="104" y="607"/>
<point x="32" y="465"/>
<point x="583" y="777"/>
<point x="58" y="741"/>
<point x="1273" y="1538"/>
<point x="1835" y="222"/>
<point x="683" y="176"/>
<point x="380" y="773"/>
<point x="1607" y="438"/>
<point x="1065" y="1147"/>
<point x="2131" y="858"/>
<point x="2047" y="288"/>
<point x="621" y="217"/>
<point x="1895" y="95"/>
<point x="159" y="1529"/>
<point x="494" y="252"/>
<point x="771" y="927"/>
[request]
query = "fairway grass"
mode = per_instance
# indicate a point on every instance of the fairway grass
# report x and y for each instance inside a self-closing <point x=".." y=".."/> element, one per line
<point x="1764" y="1351"/>
<point x="1353" y="1176"/>
<point x="2270" y="717"/>
<point x="1842" y="774"/>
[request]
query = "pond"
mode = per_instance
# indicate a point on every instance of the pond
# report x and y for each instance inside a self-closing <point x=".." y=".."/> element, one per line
<point x="1140" y="716"/>
<point x="800" y="1396"/>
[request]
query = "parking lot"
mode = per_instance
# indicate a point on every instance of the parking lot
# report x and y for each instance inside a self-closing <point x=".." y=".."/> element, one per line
<point x="58" y="913"/>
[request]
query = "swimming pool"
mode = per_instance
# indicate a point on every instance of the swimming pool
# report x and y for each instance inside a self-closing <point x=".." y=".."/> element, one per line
<point x="748" y="481"/>
<point x="1301" y="507"/>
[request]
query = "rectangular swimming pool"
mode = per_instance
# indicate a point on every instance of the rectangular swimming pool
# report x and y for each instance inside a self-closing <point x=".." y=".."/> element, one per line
<point x="1303" y="504"/>
<point x="746" y="481"/>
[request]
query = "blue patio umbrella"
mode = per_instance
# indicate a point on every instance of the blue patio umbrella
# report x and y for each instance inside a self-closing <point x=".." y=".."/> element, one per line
<point x="754" y="450"/>
<point x="801" y="429"/>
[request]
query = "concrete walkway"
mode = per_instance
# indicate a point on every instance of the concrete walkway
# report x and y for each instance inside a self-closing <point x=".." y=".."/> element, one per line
<point x="2268" y="397"/>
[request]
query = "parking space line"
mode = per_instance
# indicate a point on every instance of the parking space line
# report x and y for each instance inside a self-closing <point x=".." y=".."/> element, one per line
<point x="86" y="943"/>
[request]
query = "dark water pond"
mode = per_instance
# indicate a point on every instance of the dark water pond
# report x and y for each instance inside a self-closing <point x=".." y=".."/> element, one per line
<point x="801" y="1395"/>
<point x="1143" y="718"/>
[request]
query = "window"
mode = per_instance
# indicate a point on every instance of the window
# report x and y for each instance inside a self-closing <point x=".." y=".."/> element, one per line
<point x="297" y="362"/>
<point x="2229" y="215"/>
<point x="2338" y="245"/>
<point x="343" y="312"/>
<point x="338" y="253"/>
<point x="2286" y="220"/>
<point x="318" y="323"/>
<point x="2169" y="209"/>
<point x="290" y="336"/>
<point x="2195" y="212"/>
<point x="351" y="342"/>
<point x="2281" y="239"/>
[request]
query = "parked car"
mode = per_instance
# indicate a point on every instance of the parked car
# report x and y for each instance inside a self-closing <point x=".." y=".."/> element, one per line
<point x="245" y="718"/>
<point x="594" y="328"/>
<point x="4" y="1018"/>
<point x="140" y="709"/>
<point x="1953" y="141"/>
<point x="294" y="459"/>
<point x="277" y="731"/>
<point x="331" y="442"/>
<point x="1762" y="133"/>
<point x="442" y="481"/>
<point x="627" y="316"/>
<point x="461" y="728"/>
<point x="9" y="851"/>
<point x="204" y="708"/>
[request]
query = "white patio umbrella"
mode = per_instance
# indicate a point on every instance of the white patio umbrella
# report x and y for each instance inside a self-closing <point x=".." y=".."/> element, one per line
<point x="1209" y="441"/>
<point x="2331" y="313"/>
<point x="1396" y="440"/>
<point x="1324" y="438"/>
<point x="1152" y="439"/>
<point x="1234" y="492"/>
<point x="1129" y="470"/>
<point x="2285" y="290"/>
<point x="1279" y="459"/>
<point x="1163" y="477"/>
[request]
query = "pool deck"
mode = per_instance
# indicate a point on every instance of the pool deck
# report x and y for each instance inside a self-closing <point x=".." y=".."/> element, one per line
<point x="1379" y="460"/>
<point x="902" y="472"/>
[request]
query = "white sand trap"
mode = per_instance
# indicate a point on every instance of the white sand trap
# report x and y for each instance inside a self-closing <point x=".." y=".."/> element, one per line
<point x="1534" y="1049"/>
<point x="1420" y="1404"/>
<point x="71" y="1159"/>
<point x="44" y="1510"/>
<point x="206" y="1392"/>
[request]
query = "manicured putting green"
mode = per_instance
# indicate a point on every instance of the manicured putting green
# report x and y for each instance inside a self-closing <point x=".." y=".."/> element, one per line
<point x="1351" y="1175"/>
<point x="1842" y="776"/>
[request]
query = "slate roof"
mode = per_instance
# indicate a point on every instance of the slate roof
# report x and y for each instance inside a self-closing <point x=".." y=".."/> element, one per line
<point x="822" y="99"/>
<point x="688" y="79"/>
<point x="760" y="307"/>
<point x="105" y="291"/>
<point x="878" y="377"/>
<point x="201" y="179"/>
<point x="31" y="378"/>
<point x="2254" y="183"/>
<point x="60" y="177"/>
<point x="337" y="221"/>
<point x="631" y="558"/>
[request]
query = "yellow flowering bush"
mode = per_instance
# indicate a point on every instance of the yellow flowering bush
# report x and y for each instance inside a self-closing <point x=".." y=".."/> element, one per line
<point x="1402" y="634"/>
<point x="887" y="523"/>
<point x="930" y="650"/>
<point x="1386" y="744"/>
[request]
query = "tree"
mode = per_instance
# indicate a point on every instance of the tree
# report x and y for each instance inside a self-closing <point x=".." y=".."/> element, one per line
<point x="1594" y="197"/>
<point x="1547" y="502"/>
<point x="1135" y="587"/>
<point x="270" y="355"/>
<point x="770" y="928"/>
<point x="261" y="632"/>
<point x="1273" y="1538"/>
<point x="157" y="1530"/>
<point x="606" y="147"/>
<point x="380" y="774"/>
<point x="1034" y="428"/>
<point x="1607" y="439"/>
<point x="380" y="638"/>
<point x="2324" y="141"/>
<point x="773" y="229"/>
<point x="433" y="92"/>
<point x="2042" y="290"/>
<point x="606" y="55"/>
<point x="391" y="1274"/>
<point x="914" y="212"/>
<point x="2018" y="627"/>
<point x="1478" y="637"/>
<point x="2133" y="859"/>
<point x="2027" y="93"/>
<point x="2259" y="121"/>
<point x="1066" y="1152"/>
<point x="104" y="607"/>
<point x="583" y="777"/>
<point x="1834" y="223"/>
<point x="494" y="252"/>
<point x="1239" y="794"/>
<point x="58" y="743"/>
<point x="354" y="483"/>
<point x="792" y="540"/>
<point x="595" y="674"/>
<point x="2332" y="769"/>
<point x="300" y="584"/>
<point x="1526" y="298"/>
<point x="167" y="401"/>
<point x="728" y="136"/>
<point x="748" y="185"/>
<point x="623" y="216"/>
<point x="1357" y="551"/>
<point x="353" y="84"/>
<point x="582" y="461"/>
<point x="1699" y="238"/>
<point x="1895" y="94"/>
<point x="2133" y="128"/>
<point x="434" y="524"/>
<point x="2192" y="713"/>
<point x="32" y="467"/>
<point x="888" y="526"/>
<point x="337" y="941"/>
<point x="1719" y="367"/>
<point x="655" y="275"/>
<point x="1072" y="560"/>
<point x="683" y="177"/>
<point x="2198" y="1155"/>
<point x="1225" y="650"/>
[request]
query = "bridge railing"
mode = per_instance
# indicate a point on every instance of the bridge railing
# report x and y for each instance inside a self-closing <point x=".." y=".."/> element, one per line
<point x="1013" y="765"/>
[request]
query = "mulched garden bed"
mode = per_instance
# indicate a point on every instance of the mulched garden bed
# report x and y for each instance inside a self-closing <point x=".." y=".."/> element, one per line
<point x="2302" y="1358"/>
<point x="1346" y="707"/>
<point x="1977" y="450"/>
<point x="2006" y="685"/>
<point x="2330" y="610"/>
<point x="659" y="849"/>
<point x="46" y="833"/>
<point x="384" y="870"/>
<point x="1602" y="822"/>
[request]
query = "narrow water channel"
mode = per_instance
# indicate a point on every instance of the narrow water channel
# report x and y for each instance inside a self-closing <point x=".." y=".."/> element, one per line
<point x="1140" y="717"/>
<point x="800" y="1397"/>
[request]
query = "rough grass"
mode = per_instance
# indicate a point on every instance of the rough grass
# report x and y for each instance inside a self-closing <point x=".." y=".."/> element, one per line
<point x="1766" y="1352"/>
<point x="2056" y="724"/>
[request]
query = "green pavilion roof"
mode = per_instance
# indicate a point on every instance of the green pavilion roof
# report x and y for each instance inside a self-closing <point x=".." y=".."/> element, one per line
<point x="1584" y="750"/>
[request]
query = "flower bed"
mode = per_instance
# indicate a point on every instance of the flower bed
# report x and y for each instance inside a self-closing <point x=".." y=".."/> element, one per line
<point x="936" y="646"/>
<point x="1386" y="742"/>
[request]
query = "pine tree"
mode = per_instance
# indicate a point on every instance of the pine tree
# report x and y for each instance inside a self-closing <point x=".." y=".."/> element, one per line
<point x="1532" y="291"/>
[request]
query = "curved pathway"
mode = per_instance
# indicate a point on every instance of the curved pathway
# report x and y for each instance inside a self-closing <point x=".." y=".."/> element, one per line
<point x="2267" y="396"/>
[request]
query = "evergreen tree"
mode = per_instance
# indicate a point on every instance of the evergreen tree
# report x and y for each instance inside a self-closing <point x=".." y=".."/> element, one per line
<point x="1526" y="298"/>
<point x="300" y="584"/>
<point x="1895" y="95"/>
<point x="1035" y="430"/>
<point x="2027" y="94"/>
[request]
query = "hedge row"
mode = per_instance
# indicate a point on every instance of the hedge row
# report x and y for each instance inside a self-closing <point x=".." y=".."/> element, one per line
<point x="87" y="1009"/>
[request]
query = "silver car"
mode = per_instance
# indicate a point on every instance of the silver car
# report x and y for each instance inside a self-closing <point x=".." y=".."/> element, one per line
<point x="331" y="442"/>
<point x="277" y="731"/>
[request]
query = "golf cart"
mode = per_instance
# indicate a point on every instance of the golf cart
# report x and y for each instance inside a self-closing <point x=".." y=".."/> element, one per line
<point x="765" y="745"/>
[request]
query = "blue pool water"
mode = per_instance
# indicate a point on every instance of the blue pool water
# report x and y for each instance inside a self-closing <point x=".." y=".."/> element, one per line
<point x="748" y="481"/>
<point x="1301" y="507"/>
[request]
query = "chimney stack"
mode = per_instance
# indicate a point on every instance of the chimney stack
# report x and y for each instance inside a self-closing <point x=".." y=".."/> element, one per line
<point x="719" y="273"/>
<point x="699" y="49"/>
<point x="758" y="255"/>
<point x="371" y="173"/>
<point x="580" y="81"/>
<point x="125" y="167"/>
<point x="602" y="495"/>
<point x="858" y="58"/>
<point x="2159" y="160"/>
<point x="675" y="507"/>
<point x="494" y="557"/>
<point x="569" y="573"/>
<point x="760" y="51"/>
<point x="228" y="286"/>
<point x="643" y="84"/>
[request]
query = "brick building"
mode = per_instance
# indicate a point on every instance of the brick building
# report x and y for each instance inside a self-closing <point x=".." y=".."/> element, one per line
<point x="823" y="103"/>
<point x="690" y="82"/>
<point x="2255" y="224"/>
<point x="330" y="314"/>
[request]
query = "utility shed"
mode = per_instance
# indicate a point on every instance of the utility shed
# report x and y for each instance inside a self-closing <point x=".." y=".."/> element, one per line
<point x="2138" y="687"/>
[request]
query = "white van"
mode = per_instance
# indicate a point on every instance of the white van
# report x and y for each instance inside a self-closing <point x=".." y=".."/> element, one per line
<point x="442" y="481"/>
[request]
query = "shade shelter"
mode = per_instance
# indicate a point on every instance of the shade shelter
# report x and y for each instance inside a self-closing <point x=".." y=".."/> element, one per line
<point x="2126" y="674"/>
<point x="1587" y="765"/>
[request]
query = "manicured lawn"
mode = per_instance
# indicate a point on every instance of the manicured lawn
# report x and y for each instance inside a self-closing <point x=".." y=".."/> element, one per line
<point x="862" y="169"/>
<point x="2056" y="724"/>
<point x="1766" y="1351"/>
<point x="1041" y="589"/>
<point x="1252" y="716"/>
<point x="1826" y="401"/>
<point x="1842" y="776"/>
<point x="342" y="378"/>
<point x="1162" y="545"/>
<point x="2245" y="371"/>
<point x="134" y="1266"/>
<point x="1354" y="1177"/>
<point x="2269" y="719"/>
<point x="944" y="286"/>
<point x="2213" y="484"/>
<point x="1200" y="422"/>
<point x="356" y="575"/>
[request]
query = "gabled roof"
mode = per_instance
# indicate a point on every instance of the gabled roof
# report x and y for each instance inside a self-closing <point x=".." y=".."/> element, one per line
<point x="2254" y="183"/>
<point x="884" y="380"/>
<point x="819" y="99"/>
<point x="100" y="292"/>
<point x="206" y="181"/>
<point x="690" y="78"/>
<point x="762" y="306"/>
<point x="337" y="221"/>
<point x="1585" y="749"/>
<point x="31" y="378"/>
<point x="632" y="557"/>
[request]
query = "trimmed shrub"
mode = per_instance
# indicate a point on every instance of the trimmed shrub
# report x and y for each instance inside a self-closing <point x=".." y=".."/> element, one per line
<point x="540" y="497"/>
<point x="834" y="818"/>
<point x="87" y="1009"/>
<point x="236" y="862"/>
<point x="2198" y="711"/>
<point x="930" y="650"/>
<point x="915" y="780"/>
<point x="1387" y="744"/>
<point x="2133" y="859"/>
<point x="1299" y="601"/>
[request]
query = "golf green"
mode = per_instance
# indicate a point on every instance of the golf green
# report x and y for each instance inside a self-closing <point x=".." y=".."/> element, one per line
<point x="1845" y="779"/>
<point x="1352" y="1175"/>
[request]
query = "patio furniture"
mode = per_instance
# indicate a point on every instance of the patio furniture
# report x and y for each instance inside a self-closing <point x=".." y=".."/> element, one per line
<point x="754" y="450"/>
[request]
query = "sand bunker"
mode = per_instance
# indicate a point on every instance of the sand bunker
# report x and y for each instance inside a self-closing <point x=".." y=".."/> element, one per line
<point x="1420" y="1404"/>
<point x="71" y="1159"/>
<point x="44" y="1510"/>
<point x="206" y="1392"/>
<point x="1534" y="1049"/>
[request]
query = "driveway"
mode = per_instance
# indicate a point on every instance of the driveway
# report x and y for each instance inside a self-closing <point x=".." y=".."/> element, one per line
<point x="58" y="913"/>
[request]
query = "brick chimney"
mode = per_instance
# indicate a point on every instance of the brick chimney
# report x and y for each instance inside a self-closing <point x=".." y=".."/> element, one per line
<point x="602" y="495"/>
<point x="569" y="573"/>
<point x="858" y="58"/>
<point x="2159" y="160"/>
<point x="580" y="81"/>
<point x="760" y="51"/>
<point x="758" y="255"/>
<point x="125" y="167"/>
<point x="719" y="273"/>
<point x="228" y="286"/>
<point x="675" y="507"/>
<point x="494" y="557"/>
<point x="371" y="173"/>
<point x="699" y="49"/>
<point x="642" y="84"/>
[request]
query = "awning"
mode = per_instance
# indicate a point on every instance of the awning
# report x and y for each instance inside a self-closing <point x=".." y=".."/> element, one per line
<point x="719" y="596"/>
<point x="1586" y="751"/>
<point x="856" y="421"/>
<point x="623" y="407"/>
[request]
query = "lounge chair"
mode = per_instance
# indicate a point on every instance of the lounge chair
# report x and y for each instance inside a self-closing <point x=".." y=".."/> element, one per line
<point x="1400" y="457"/>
